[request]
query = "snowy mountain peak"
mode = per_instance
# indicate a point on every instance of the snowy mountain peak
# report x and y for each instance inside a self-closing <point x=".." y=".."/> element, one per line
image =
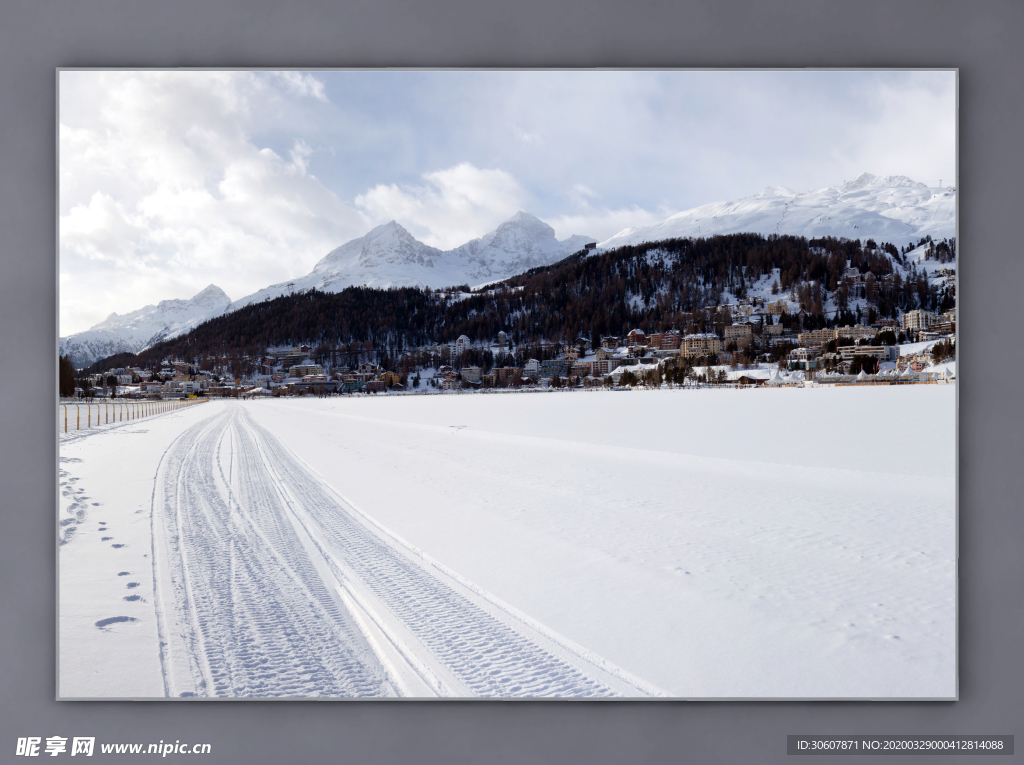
<point x="132" y="332"/>
<point x="389" y="256"/>
<point x="212" y="295"/>
<point x="390" y="230"/>
<point x="519" y="230"/>
<point x="775" y="191"/>
<point x="867" y="180"/>
<point x="526" y="221"/>
<point x="522" y="242"/>
<point x="388" y="243"/>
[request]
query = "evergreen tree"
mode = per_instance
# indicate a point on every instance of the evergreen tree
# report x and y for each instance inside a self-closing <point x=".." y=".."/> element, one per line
<point x="65" y="377"/>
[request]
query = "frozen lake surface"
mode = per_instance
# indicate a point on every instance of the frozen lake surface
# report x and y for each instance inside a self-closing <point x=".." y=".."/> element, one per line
<point x="690" y="543"/>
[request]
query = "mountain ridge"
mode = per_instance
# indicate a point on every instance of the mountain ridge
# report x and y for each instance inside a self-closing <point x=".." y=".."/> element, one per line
<point x="895" y="209"/>
<point x="389" y="256"/>
<point x="141" y="328"/>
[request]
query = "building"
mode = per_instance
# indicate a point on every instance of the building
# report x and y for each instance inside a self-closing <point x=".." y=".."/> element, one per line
<point x="856" y="332"/>
<point x="654" y="339"/>
<point x="815" y="336"/>
<point x="880" y="352"/>
<point x="552" y="367"/>
<point x="505" y="375"/>
<point x="471" y="374"/>
<point x="581" y="368"/>
<point x="915" y="363"/>
<point x="741" y="334"/>
<point x="502" y="339"/>
<point x="917" y="319"/>
<point x="671" y="340"/>
<point x="352" y="383"/>
<point x="605" y="366"/>
<point x="701" y="344"/>
<point x="390" y="379"/>
<point x="532" y="368"/>
<point x="302" y="370"/>
<point x="777" y="308"/>
<point x="803" y="358"/>
<point x="636" y="337"/>
<point x="459" y="347"/>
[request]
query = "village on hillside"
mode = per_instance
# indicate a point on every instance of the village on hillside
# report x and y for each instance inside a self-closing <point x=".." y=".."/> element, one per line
<point x="755" y="342"/>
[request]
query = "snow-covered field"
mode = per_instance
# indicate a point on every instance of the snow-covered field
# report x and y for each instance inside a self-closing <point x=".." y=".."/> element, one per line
<point x="691" y="543"/>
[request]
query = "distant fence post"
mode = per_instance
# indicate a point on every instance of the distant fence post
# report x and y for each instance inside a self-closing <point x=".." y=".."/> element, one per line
<point x="78" y="417"/>
<point x="65" y="417"/>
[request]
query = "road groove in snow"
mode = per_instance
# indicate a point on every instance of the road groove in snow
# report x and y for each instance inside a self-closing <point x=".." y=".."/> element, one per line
<point x="272" y="586"/>
<point x="249" y="615"/>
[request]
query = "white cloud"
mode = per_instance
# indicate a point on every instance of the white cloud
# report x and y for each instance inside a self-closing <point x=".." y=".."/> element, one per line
<point x="912" y="132"/>
<point x="161" y="184"/>
<point x="603" y="223"/>
<point x="527" y="137"/>
<point x="172" y="180"/>
<point x="300" y="154"/>
<point x="452" y="206"/>
<point x="302" y="84"/>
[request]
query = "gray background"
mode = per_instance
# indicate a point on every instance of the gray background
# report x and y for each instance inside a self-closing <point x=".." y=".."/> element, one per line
<point x="983" y="39"/>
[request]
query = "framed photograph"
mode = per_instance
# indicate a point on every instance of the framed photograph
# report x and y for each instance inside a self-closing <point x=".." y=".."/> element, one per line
<point x="572" y="384"/>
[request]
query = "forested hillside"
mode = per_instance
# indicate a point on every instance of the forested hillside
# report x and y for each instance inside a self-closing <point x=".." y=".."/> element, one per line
<point x="655" y="287"/>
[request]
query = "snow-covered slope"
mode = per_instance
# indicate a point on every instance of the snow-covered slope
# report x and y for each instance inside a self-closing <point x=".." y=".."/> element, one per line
<point x="139" y="329"/>
<point x="893" y="209"/>
<point x="389" y="256"/>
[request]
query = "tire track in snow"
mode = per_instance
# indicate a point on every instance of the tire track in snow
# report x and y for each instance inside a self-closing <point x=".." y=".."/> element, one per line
<point x="485" y="655"/>
<point x="258" y="559"/>
<point x="246" y="612"/>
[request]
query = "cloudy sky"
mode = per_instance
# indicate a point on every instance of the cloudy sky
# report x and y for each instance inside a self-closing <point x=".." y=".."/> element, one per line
<point x="170" y="181"/>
